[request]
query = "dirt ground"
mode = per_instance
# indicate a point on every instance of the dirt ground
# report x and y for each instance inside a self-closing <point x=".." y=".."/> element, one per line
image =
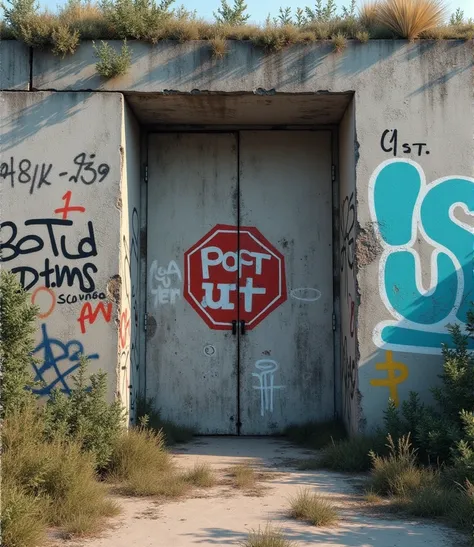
<point x="223" y="515"/>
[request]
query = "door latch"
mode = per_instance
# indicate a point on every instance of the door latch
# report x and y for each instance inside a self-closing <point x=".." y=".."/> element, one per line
<point x="242" y="327"/>
<point x="234" y="327"/>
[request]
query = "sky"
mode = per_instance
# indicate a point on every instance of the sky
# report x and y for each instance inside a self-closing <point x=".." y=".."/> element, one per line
<point x="259" y="9"/>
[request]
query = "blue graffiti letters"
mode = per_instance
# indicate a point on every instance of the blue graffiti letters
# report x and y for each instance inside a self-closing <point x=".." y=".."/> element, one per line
<point x="52" y="353"/>
<point x="404" y="207"/>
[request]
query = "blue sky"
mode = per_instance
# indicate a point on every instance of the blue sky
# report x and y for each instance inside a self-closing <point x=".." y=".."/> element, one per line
<point x="259" y="9"/>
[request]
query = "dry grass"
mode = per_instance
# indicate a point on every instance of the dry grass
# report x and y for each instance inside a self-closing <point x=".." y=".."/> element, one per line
<point x="23" y="517"/>
<point x="219" y="47"/>
<point x="62" y="32"/>
<point x="52" y="481"/>
<point x="410" y="18"/>
<point x="339" y="41"/>
<point x="269" y="537"/>
<point x="310" y="507"/>
<point x="243" y="476"/>
<point x="142" y="466"/>
<point x="201" y="476"/>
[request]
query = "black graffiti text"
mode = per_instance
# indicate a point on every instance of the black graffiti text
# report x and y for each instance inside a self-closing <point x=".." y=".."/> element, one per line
<point x="389" y="142"/>
<point x="26" y="172"/>
<point x="86" y="171"/>
<point x="49" y="240"/>
<point x="73" y="298"/>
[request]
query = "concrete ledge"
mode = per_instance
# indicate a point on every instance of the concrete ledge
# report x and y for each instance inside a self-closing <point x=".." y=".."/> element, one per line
<point x="14" y="66"/>
<point x="169" y="66"/>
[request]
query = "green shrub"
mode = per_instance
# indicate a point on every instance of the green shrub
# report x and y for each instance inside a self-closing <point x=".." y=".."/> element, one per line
<point x="85" y="415"/>
<point x="111" y="63"/>
<point x="232" y="15"/>
<point x="17" y="329"/>
<point x="172" y="433"/>
<point x="135" y="18"/>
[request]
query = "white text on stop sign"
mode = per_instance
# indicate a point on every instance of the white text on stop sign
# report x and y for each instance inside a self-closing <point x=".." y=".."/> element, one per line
<point x="212" y="257"/>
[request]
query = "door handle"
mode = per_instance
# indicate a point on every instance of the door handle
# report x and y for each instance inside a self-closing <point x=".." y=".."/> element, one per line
<point x="234" y="327"/>
<point x="242" y="327"/>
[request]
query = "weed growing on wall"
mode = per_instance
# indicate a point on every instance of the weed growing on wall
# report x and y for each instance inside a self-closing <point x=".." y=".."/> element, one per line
<point x="153" y="20"/>
<point x="112" y="63"/>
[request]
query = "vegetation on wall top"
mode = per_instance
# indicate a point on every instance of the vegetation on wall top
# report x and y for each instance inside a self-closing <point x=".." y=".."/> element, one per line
<point x="156" y="20"/>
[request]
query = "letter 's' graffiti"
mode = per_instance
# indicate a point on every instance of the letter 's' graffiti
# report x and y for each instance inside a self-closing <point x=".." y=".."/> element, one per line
<point x="57" y="360"/>
<point x="404" y="207"/>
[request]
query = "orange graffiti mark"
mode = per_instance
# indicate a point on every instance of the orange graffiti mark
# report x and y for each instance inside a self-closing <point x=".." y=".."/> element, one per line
<point x="69" y="209"/>
<point x="89" y="315"/>
<point x="124" y="328"/>
<point x="50" y="310"/>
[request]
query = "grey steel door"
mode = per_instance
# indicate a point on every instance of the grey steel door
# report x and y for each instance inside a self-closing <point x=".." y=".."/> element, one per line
<point x="286" y="361"/>
<point x="191" y="369"/>
<point x="239" y="294"/>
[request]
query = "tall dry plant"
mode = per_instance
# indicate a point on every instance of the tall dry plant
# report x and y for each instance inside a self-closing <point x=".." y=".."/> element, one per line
<point x="409" y="18"/>
<point x="368" y="12"/>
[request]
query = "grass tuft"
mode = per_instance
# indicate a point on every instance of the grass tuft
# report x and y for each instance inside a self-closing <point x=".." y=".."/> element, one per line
<point x="219" y="47"/>
<point x="23" y="521"/>
<point x="143" y="467"/>
<point x="363" y="36"/>
<point x="269" y="537"/>
<point x="339" y="41"/>
<point x="410" y="18"/>
<point x="112" y="63"/>
<point x="350" y="455"/>
<point x="310" y="507"/>
<point x="243" y="476"/>
<point x="398" y="473"/>
<point x="201" y="476"/>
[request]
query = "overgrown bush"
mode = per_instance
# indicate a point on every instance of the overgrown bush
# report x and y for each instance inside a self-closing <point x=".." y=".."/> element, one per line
<point x="46" y="482"/>
<point x="17" y="328"/>
<point x="85" y="416"/>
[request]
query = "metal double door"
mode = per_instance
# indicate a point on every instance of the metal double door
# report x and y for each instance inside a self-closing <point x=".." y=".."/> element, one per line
<point x="240" y="280"/>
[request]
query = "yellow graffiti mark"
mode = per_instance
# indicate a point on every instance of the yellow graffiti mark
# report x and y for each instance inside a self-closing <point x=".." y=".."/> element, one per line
<point x="392" y="380"/>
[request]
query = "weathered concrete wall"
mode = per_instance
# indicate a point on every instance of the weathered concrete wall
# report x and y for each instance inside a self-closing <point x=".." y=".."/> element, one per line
<point x="348" y="290"/>
<point x="129" y="322"/>
<point x="15" y="66"/>
<point x="61" y="171"/>
<point x="414" y="116"/>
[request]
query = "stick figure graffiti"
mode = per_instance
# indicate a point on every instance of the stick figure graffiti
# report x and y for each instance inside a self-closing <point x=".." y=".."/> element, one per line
<point x="266" y="377"/>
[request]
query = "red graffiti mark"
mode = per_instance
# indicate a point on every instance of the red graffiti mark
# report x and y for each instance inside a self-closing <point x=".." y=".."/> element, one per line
<point x="43" y="315"/>
<point x="352" y="321"/>
<point x="90" y="315"/>
<point x="69" y="209"/>
<point x="124" y="328"/>
<point x="232" y="269"/>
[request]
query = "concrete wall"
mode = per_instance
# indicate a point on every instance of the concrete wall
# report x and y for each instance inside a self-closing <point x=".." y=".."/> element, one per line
<point x="413" y="234"/>
<point x="348" y="291"/>
<point x="62" y="158"/>
<point x="129" y="322"/>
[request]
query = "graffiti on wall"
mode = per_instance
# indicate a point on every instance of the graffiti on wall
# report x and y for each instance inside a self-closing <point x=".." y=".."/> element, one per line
<point x="129" y="351"/>
<point x="406" y="211"/>
<point x="67" y="251"/>
<point x="231" y="268"/>
<point x="348" y="375"/>
<point x="165" y="283"/>
<point x="266" y="383"/>
<point x="85" y="169"/>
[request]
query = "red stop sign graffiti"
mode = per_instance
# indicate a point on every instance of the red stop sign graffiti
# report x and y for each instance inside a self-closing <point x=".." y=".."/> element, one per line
<point x="219" y="292"/>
